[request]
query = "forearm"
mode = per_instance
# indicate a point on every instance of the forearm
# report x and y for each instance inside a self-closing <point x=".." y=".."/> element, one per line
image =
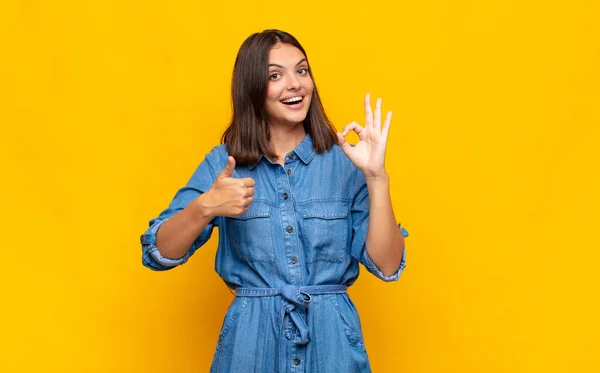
<point x="177" y="234"/>
<point x="385" y="242"/>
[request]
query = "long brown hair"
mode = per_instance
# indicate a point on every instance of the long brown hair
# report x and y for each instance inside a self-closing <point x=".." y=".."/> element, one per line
<point x="248" y="133"/>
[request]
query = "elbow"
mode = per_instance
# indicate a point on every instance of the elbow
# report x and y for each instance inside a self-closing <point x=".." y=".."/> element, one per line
<point x="393" y="267"/>
<point x="388" y="274"/>
<point x="389" y="271"/>
<point x="394" y="264"/>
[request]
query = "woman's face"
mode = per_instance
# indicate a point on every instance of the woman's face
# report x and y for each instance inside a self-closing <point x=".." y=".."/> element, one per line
<point x="290" y="86"/>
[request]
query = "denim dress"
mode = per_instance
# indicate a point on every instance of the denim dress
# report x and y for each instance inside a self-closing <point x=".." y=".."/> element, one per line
<point x="290" y="258"/>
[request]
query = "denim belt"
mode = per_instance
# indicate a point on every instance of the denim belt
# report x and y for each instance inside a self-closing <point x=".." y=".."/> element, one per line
<point x="295" y="301"/>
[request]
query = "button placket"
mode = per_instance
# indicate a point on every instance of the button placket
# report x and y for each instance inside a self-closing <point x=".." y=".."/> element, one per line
<point x="290" y="157"/>
<point x="288" y="221"/>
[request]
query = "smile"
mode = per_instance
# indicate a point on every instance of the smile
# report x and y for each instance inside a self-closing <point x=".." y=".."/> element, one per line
<point x="293" y="100"/>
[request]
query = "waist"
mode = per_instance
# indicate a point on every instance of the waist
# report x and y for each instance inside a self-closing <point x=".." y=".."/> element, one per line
<point x="245" y="291"/>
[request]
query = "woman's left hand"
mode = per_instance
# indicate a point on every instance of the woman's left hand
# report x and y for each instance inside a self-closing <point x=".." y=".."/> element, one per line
<point x="369" y="153"/>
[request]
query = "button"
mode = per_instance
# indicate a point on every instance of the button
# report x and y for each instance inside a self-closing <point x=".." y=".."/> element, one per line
<point x="288" y="335"/>
<point x="291" y="156"/>
<point x="284" y="196"/>
<point x="289" y="172"/>
<point x="294" y="260"/>
<point x="289" y="229"/>
<point x="296" y="361"/>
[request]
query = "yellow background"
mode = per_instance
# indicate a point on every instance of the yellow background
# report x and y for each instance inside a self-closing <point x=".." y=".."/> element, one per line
<point x="107" y="107"/>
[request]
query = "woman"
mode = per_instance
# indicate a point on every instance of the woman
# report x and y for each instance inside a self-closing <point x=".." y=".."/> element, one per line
<point x="296" y="214"/>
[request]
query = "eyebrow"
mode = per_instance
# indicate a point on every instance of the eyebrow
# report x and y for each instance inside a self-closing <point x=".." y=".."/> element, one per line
<point x="276" y="65"/>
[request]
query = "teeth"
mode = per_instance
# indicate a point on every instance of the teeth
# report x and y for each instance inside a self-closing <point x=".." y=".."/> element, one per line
<point x="293" y="99"/>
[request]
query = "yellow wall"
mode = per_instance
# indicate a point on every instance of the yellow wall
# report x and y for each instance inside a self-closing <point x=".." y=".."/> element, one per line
<point x="106" y="108"/>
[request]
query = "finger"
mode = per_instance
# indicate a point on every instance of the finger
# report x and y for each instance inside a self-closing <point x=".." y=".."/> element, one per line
<point x="352" y="127"/>
<point x="386" y="125"/>
<point x="368" y="112"/>
<point x="249" y="192"/>
<point x="248" y="201"/>
<point x="243" y="209"/>
<point x="248" y="182"/>
<point x="377" y="116"/>
<point x="346" y="147"/>
<point x="228" y="170"/>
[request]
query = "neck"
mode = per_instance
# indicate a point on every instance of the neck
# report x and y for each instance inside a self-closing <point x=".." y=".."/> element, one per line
<point x="285" y="139"/>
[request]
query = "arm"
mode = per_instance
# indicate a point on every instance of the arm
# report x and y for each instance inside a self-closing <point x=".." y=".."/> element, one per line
<point x="177" y="234"/>
<point x="226" y="197"/>
<point x="188" y="222"/>
<point x="384" y="241"/>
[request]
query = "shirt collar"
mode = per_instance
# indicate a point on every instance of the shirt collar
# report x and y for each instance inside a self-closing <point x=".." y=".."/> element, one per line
<point x="304" y="151"/>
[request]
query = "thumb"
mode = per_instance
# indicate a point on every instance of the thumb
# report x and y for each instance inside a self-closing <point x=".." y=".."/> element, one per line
<point x="228" y="170"/>
<point x="346" y="147"/>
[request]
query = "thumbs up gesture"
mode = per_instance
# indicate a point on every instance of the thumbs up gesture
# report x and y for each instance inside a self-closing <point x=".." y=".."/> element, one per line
<point x="229" y="196"/>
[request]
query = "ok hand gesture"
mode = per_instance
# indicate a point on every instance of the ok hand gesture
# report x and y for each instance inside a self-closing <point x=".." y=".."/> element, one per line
<point x="369" y="154"/>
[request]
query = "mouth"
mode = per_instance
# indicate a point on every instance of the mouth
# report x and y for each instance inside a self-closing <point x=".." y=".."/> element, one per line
<point x="296" y="102"/>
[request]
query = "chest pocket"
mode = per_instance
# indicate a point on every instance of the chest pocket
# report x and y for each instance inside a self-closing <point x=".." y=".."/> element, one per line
<point x="251" y="235"/>
<point x="324" y="230"/>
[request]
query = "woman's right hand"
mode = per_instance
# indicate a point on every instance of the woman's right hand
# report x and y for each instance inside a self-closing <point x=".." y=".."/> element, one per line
<point x="228" y="196"/>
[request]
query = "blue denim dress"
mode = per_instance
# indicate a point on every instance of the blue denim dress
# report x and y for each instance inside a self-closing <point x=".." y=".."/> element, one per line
<point x="289" y="258"/>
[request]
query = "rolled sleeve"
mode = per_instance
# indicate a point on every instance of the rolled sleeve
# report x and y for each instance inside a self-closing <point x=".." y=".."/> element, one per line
<point x="200" y="182"/>
<point x="360" y="227"/>
<point x="371" y="267"/>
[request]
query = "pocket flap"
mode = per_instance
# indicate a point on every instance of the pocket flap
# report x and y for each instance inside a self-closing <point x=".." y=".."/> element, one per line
<point x="257" y="209"/>
<point x="325" y="210"/>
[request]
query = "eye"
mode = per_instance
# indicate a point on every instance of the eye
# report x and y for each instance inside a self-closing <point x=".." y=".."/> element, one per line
<point x="274" y="76"/>
<point x="302" y="71"/>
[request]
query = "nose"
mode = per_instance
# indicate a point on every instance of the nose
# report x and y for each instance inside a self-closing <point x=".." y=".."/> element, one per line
<point x="293" y="82"/>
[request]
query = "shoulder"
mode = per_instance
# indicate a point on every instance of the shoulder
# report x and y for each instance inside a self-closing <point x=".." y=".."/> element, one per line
<point x="217" y="156"/>
<point x="212" y="163"/>
<point x="219" y="151"/>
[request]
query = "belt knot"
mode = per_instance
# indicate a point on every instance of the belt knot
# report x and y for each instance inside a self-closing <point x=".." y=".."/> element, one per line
<point x="295" y="303"/>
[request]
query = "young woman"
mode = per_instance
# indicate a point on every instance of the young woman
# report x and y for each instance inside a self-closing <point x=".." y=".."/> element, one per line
<point x="297" y="207"/>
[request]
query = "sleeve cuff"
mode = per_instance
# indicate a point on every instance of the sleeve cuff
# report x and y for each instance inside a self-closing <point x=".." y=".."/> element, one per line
<point x="371" y="267"/>
<point x="151" y="256"/>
